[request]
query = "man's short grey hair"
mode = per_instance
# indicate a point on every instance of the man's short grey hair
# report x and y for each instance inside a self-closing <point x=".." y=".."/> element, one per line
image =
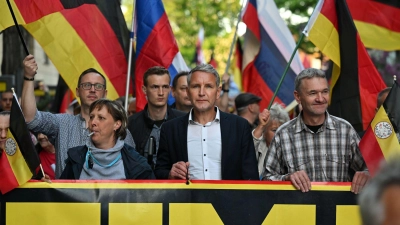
<point x="370" y="199"/>
<point x="307" y="74"/>
<point x="207" y="68"/>
<point x="278" y="113"/>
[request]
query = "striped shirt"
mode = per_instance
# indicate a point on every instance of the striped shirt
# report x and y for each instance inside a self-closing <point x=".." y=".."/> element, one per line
<point x="67" y="130"/>
<point x="329" y="155"/>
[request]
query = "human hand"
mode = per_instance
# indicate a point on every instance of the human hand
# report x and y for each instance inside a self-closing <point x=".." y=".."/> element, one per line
<point x="225" y="81"/>
<point x="300" y="180"/>
<point x="46" y="178"/>
<point x="359" y="181"/>
<point x="263" y="117"/>
<point x="179" y="170"/>
<point x="30" y="66"/>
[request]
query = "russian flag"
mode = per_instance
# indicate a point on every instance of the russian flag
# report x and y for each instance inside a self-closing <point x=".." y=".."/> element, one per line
<point x="268" y="46"/>
<point x="155" y="46"/>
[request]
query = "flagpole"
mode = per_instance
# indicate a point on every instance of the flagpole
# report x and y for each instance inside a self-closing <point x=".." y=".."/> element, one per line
<point x="286" y="69"/>
<point x="132" y="39"/>
<point x="228" y="63"/>
<point x="16" y="102"/>
<point x="17" y="26"/>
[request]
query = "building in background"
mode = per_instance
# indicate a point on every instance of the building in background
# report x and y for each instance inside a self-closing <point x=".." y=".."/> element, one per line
<point x="47" y="72"/>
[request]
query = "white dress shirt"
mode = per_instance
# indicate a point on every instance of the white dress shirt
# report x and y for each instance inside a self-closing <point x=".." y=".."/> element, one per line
<point x="204" y="148"/>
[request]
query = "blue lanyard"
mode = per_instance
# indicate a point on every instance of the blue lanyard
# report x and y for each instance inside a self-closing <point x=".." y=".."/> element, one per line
<point x="89" y="154"/>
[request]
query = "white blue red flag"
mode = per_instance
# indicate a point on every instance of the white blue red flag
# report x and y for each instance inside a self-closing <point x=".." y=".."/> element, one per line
<point x="268" y="45"/>
<point x="199" y="56"/>
<point x="155" y="46"/>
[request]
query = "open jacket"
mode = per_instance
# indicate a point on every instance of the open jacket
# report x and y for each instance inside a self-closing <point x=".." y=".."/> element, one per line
<point x="238" y="159"/>
<point x="140" y="125"/>
<point x="135" y="165"/>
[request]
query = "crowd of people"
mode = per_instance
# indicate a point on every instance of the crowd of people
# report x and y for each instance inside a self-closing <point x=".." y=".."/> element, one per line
<point x="196" y="137"/>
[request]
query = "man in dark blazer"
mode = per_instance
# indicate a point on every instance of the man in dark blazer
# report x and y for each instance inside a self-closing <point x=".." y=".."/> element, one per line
<point x="145" y="125"/>
<point x="206" y="143"/>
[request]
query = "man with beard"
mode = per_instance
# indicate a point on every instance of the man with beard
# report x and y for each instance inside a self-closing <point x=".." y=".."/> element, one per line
<point x="67" y="130"/>
<point x="248" y="107"/>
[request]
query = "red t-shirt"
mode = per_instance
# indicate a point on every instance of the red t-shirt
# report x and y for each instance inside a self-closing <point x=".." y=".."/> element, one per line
<point x="48" y="161"/>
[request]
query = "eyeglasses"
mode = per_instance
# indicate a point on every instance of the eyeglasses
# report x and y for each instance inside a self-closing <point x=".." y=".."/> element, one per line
<point x="97" y="86"/>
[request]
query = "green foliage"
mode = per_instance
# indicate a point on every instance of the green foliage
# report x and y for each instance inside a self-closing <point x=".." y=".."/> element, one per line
<point x="301" y="8"/>
<point x="297" y="7"/>
<point x="127" y="9"/>
<point x="217" y="17"/>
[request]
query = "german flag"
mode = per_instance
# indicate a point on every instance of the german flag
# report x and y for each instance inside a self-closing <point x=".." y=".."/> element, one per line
<point x="332" y="30"/>
<point x="380" y="140"/>
<point x="62" y="98"/>
<point x="19" y="159"/>
<point x="377" y="22"/>
<point x="236" y="65"/>
<point x="77" y="35"/>
<point x="13" y="168"/>
<point x="212" y="61"/>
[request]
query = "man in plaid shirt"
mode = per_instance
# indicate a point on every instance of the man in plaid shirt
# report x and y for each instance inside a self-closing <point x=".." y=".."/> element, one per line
<point x="315" y="146"/>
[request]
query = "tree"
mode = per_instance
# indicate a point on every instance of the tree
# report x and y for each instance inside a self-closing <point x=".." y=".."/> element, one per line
<point x="302" y="10"/>
<point x="387" y="63"/>
<point x="218" y="17"/>
<point x="14" y="53"/>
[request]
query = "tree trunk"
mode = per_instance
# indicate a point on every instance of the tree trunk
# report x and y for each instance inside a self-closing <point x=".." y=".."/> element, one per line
<point x="14" y="54"/>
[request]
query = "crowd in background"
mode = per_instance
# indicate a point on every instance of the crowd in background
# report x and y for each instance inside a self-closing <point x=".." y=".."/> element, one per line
<point x="201" y="136"/>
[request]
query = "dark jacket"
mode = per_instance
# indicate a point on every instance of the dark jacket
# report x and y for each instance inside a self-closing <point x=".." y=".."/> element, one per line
<point x="140" y="126"/>
<point x="135" y="165"/>
<point x="238" y="159"/>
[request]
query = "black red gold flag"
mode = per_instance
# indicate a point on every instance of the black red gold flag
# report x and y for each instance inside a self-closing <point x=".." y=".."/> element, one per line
<point x="19" y="160"/>
<point x="355" y="81"/>
<point x="62" y="98"/>
<point x="236" y="65"/>
<point x="377" y="22"/>
<point x="381" y="139"/>
<point x="77" y="35"/>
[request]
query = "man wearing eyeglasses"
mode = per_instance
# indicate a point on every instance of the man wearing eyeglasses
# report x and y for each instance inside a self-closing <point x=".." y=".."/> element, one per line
<point x="147" y="123"/>
<point x="67" y="130"/>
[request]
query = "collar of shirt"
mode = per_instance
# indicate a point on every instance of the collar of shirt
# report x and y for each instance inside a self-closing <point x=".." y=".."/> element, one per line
<point x="300" y="125"/>
<point x="83" y="123"/>
<point x="216" y="119"/>
<point x="151" y="122"/>
<point x="165" y="117"/>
